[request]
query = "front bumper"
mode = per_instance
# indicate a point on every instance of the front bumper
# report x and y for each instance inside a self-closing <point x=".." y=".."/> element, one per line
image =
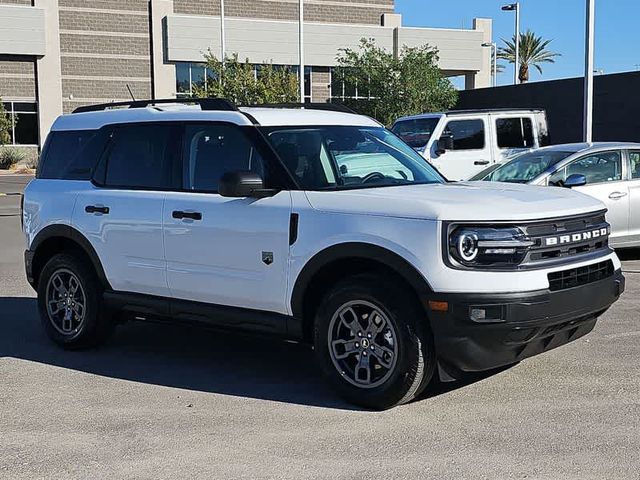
<point x="516" y="325"/>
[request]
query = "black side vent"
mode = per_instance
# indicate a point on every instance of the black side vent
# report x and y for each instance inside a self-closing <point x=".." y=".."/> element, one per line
<point x="576" y="277"/>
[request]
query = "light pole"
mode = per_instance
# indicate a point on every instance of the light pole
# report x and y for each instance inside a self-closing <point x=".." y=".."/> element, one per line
<point x="588" y="72"/>
<point x="222" y="45"/>
<point x="301" y="48"/>
<point x="515" y="7"/>
<point x="494" y="60"/>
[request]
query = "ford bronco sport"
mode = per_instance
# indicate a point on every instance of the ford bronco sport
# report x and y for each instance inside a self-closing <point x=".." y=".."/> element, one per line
<point x="311" y="224"/>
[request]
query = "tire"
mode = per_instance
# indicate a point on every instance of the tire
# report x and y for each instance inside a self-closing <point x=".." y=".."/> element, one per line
<point x="65" y="322"/>
<point x="400" y="350"/>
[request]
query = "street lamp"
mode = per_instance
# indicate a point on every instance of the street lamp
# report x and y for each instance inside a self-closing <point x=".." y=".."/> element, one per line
<point x="222" y="39"/>
<point x="494" y="56"/>
<point x="515" y="7"/>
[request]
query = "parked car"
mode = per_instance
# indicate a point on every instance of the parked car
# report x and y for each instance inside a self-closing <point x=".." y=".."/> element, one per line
<point x="309" y="224"/>
<point x="462" y="143"/>
<point x="607" y="171"/>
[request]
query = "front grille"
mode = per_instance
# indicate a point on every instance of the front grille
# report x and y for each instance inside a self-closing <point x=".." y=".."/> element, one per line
<point x="558" y="240"/>
<point x="576" y="277"/>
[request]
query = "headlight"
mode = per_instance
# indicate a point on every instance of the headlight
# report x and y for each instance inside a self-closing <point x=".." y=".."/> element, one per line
<point x="480" y="246"/>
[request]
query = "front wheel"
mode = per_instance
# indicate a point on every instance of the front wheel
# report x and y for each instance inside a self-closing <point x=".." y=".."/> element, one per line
<point x="373" y="342"/>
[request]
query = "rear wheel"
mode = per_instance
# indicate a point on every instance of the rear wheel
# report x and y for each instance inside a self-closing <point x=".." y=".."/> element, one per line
<point x="70" y="303"/>
<point x="373" y="343"/>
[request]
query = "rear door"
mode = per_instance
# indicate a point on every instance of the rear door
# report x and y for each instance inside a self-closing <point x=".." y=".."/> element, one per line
<point x="471" y="150"/>
<point x="512" y="134"/>
<point x="220" y="250"/>
<point x="634" y="197"/>
<point x="605" y="173"/>
<point x="121" y="212"/>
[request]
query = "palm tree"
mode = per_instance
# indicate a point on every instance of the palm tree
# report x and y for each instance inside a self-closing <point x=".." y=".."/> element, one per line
<point x="533" y="52"/>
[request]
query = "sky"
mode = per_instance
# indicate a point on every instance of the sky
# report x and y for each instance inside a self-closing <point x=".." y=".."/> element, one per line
<point x="617" y="39"/>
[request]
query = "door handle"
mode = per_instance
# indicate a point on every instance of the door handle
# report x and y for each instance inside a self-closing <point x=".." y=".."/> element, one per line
<point x="481" y="162"/>
<point x="617" y="195"/>
<point x="179" y="214"/>
<point x="97" y="209"/>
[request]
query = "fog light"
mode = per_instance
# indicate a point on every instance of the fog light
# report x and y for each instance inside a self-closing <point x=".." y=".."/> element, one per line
<point x="487" y="313"/>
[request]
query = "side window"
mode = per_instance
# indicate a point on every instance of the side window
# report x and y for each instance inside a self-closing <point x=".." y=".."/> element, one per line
<point x="210" y="150"/>
<point x="71" y="155"/>
<point x="514" y="132"/>
<point x="142" y="156"/>
<point x="466" y="134"/>
<point x="597" y="168"/>
<point x="634" y="164"/>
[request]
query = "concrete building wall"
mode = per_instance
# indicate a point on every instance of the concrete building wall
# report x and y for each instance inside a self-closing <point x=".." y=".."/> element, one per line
<point x="17" y="78"/>
<point x="21" y="30"/>
<point x="331" y="11"/>
<point x="104" y="46"/>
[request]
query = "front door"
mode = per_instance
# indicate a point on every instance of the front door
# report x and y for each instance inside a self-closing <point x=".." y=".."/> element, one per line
<point x="220" y="250"/>
<point x="470" y="152"/>
<point x="604" y="172"/>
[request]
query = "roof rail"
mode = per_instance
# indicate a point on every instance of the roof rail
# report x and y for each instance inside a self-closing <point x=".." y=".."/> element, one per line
<point x="332" y="107"/>
<point x="205" y="104"/>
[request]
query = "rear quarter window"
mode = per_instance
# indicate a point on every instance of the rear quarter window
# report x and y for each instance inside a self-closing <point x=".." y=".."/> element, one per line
<point x="71" y="155"/>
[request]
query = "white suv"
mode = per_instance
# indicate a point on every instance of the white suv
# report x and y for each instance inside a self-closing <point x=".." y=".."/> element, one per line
<point x="313" y="225"/>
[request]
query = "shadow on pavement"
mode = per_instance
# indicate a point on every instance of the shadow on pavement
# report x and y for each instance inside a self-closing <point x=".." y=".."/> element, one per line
<point x="626" y="254"/>
<point x="186" y="357"/>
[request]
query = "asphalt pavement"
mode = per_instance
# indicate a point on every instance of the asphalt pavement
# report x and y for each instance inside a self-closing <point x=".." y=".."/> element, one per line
<point x="165" y="401"/>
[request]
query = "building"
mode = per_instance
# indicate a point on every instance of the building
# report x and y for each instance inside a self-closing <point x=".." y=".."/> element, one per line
<point x="56" y="55"/>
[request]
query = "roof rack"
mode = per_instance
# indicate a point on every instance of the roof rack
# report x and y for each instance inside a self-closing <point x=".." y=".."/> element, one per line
<point x="332" y="107"/>
<point x="205" y="104"/>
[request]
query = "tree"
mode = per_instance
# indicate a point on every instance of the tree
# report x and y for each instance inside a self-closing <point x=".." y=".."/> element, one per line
<point x="246" y="84"/>
<point x="5" y="125"/>
<point x="533" y="53"/>
<point x="393" y="85"/>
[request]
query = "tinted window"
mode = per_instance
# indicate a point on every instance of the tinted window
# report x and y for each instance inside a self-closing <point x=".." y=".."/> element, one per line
<point x="527" y="166"/>
<point x="417" y="132"/>
<point x="514" y="132"/>
<point x="142" y="156"/>
<point x="597" y="168"/>
<point x="211" y="150"/>
<point x="71" y="155"/>
<point x="349" y="157"/>
<point x="634" y="164"/>
<point x="466" y="134"/>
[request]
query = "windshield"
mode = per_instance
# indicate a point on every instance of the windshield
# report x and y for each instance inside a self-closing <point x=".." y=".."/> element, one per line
<point x="344" y="157"/>
<point x="416" y="132"/>
<point x="527" y="166"/>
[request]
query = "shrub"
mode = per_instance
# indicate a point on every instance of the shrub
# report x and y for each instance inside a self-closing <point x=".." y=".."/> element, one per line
<point x="10" y="157"/>
<point x="33" y="162"/>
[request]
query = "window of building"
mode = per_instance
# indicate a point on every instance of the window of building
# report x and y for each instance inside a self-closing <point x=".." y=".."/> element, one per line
<point x="24" y="120"/>
<point x="212" y="150"/>
<point x="143" y="156"/>
<point x="514" y="132"/>
<point x="344" y="86"/>
<point x="190" y="76"/>
<point x="466" y="134"/>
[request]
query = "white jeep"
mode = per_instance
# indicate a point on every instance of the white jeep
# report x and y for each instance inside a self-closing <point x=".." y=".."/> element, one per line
<point x="314" y="225"/>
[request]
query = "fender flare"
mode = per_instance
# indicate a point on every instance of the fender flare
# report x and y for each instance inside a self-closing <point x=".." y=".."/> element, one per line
<point x="69" y="233"/>
<point x="350" y="250"/>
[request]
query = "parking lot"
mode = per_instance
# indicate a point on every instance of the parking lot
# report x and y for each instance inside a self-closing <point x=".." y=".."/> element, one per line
<point x="167" y="401"/>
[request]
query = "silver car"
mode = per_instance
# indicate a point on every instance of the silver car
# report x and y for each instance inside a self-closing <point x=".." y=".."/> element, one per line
<point x="607" y="171"/>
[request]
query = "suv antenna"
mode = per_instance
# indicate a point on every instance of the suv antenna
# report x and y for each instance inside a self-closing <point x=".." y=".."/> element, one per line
<point x="131" y="93"/>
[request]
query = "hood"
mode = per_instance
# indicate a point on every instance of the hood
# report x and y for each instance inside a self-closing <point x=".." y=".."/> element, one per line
<point x="462" y="201"/>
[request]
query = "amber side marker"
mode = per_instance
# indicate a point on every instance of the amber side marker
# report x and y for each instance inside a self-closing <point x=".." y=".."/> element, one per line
<point x="438" y="306"/>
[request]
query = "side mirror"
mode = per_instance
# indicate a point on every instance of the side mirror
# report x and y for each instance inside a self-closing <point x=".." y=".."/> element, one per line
<point x="575" y="180"/>
<point x="243" y="183"/>
<point x="445" y="142"/>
